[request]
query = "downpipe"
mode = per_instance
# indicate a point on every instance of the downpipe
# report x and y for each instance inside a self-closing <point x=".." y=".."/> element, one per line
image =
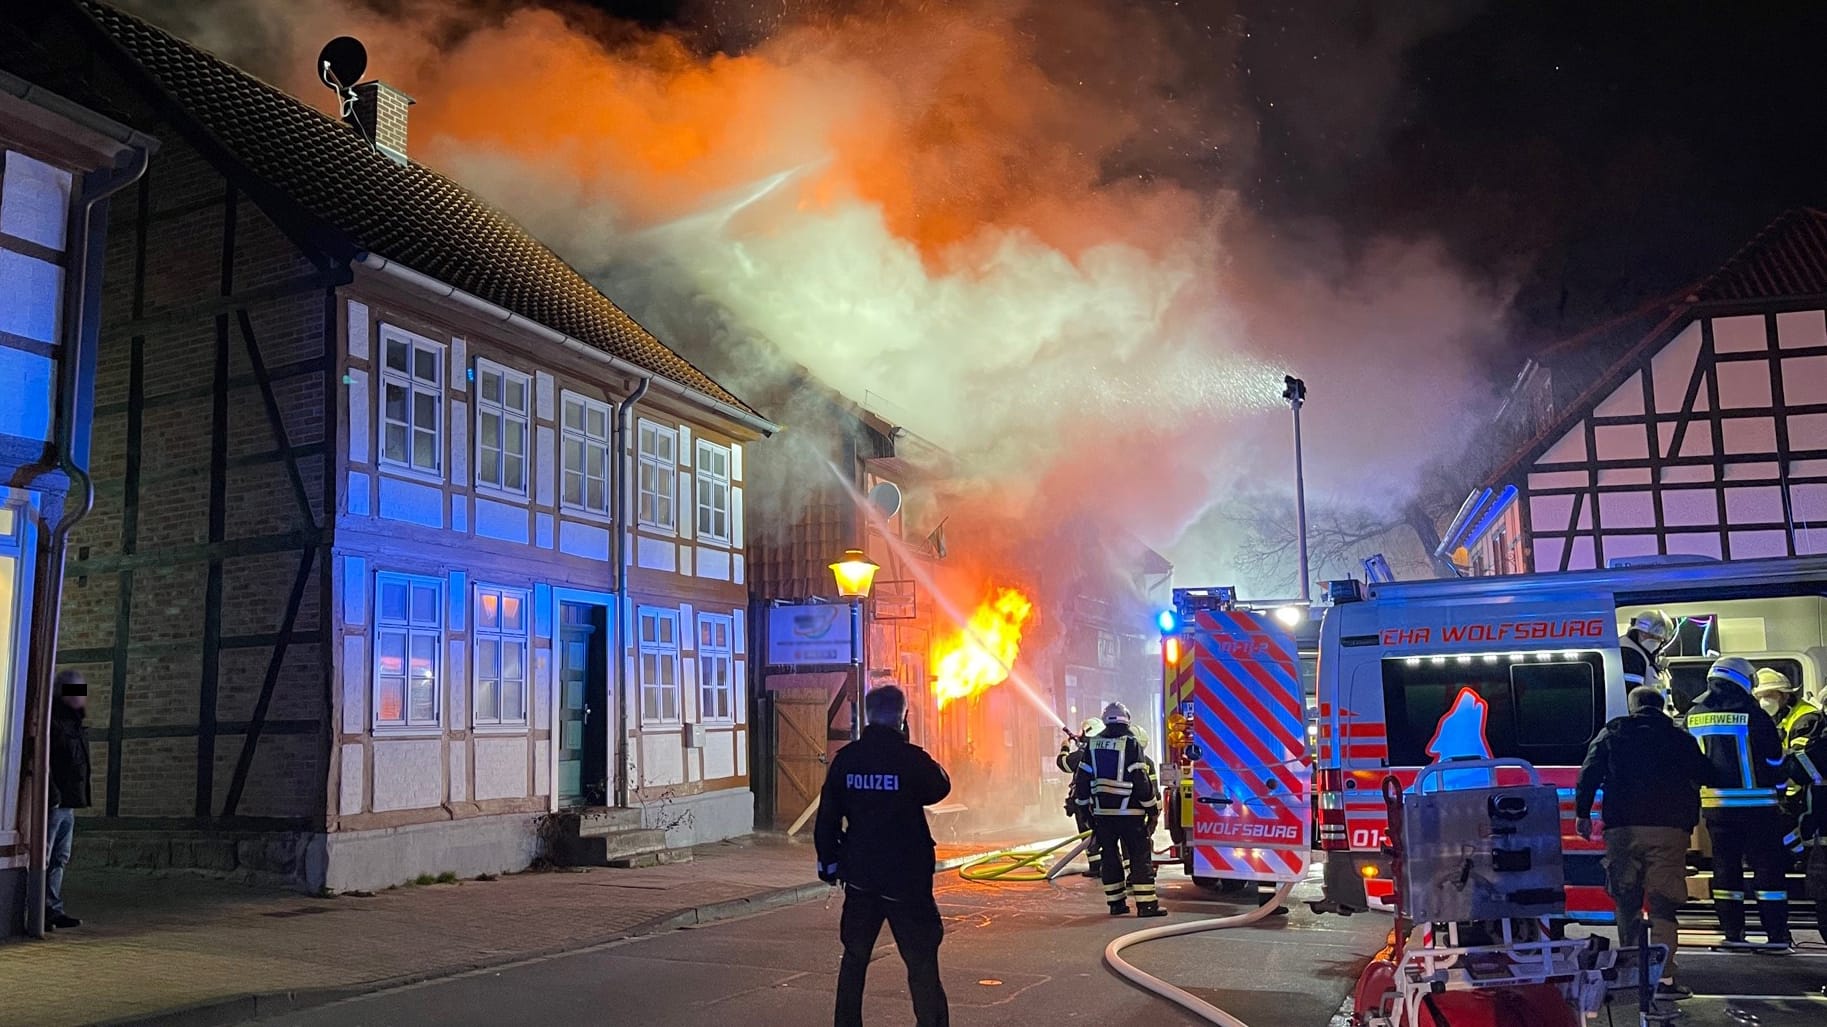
<point x="1113" y="957"/>
<point x="624" y="552"/>
<point x="47" y="600"/>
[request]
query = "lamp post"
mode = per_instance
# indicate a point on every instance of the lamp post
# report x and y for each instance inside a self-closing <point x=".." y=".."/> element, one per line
<point x="855" y="574"/>
<point x="1295" y="392"/>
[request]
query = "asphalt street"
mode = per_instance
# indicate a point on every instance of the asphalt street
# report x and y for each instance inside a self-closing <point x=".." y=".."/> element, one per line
<point x="1014" y="954"/>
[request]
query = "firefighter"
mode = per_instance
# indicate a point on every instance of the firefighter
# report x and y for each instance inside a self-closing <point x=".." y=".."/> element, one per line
<point x="1646" y="638"/>
<point x="1807" y="769"/>
<point x="1114" y="785"/>
<point x="1797" y="719"/>
<point x="1071" y="754"/>
<point x="1741" y="812"/>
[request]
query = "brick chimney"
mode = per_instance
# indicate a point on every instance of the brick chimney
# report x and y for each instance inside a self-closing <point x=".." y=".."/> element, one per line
<point x="380" y="113"/>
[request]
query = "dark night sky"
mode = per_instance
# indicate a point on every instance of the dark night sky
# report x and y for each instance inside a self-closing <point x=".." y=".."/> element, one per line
<point x="1599" y="154"/>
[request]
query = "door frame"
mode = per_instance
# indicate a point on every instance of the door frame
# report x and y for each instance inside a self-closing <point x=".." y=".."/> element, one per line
<point x="612" y="682"/>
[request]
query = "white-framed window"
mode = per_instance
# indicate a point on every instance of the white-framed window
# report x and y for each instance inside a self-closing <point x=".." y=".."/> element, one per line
<point x="659" y="479"/>
<point x="587" y="450"/>
<point x="501" y="656"/>
<point x="659" y="663"/>
<point x="408" y="650"/>
<point x="412" y="402"/>
<point x="716" y="667"/>
<point x="503" y="426"/>
<point x="16" y="541"/>
<point x="713" y="476"/>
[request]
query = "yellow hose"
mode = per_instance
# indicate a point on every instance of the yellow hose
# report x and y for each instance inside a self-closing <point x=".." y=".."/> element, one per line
<point x="1017" y="866"/>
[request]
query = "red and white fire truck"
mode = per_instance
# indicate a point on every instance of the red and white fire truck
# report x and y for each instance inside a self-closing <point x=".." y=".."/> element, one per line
<point x="1235" y="771"/>
<point x="1526" y="666"/>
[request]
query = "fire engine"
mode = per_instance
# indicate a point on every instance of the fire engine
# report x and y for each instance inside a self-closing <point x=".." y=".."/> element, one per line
<point x="1523" y="667"/>
<point x="1234" y="779"/>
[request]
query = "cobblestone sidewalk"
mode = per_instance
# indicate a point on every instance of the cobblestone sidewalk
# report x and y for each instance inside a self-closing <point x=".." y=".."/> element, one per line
<point x="174" y="949"/>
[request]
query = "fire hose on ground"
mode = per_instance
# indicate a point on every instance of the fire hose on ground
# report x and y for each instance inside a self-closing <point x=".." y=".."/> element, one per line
<point x="1028" y="866"/>
<point x="1113" y="957"/>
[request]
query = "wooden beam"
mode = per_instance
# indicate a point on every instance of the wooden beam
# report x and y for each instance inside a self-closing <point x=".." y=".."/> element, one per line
<point x="130" y="521"/>
<point x="256" y="545"/>
<point x="274" y="416"/>
<point x="251" y="737"/>
<point x="210" y="684"/>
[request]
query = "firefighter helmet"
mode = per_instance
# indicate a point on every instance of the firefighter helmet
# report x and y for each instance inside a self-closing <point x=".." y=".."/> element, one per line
<point x="1735" y="669"/>
<point x="1141" y="736"/>
<point x="1116" y="713"/>
<point x="1771" y="680"/>
<point x="1652" y="624"/>
<point x="1090" y="727"/>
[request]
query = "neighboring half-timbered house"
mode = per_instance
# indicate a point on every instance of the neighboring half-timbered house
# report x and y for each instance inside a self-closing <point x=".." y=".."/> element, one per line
<point x="1708" y="437"/>
<point x="382" y="482"/>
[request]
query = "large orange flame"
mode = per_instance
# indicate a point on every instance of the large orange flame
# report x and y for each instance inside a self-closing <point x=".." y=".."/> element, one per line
<point x="969" y="663"/>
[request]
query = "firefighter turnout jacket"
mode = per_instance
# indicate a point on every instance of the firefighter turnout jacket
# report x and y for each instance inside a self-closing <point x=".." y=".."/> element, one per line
<point x="1800" y="724"/>
<point x="872" y="832"/>
<point x="1116" y="779"/>
<point x="1742" y="743"/>
<point x="1807" y="769"/>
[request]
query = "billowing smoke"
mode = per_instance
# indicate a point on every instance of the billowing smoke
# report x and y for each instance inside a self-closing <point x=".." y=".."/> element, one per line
<point x="1020" y="229"/>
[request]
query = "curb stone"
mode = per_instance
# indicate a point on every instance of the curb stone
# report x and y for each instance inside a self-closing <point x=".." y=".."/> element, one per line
<point x="238" y="1009"/>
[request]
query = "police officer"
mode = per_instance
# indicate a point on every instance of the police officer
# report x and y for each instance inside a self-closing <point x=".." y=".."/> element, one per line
<point x="1807" y="769"/>
<point x="1797" y="719"/>
<point x="872" y="835"/>
<point x="1114" y="784"/>
<point x="1071" y="754"/>
<point x="1741" y="812"/>
<point x="1646" y="638"/>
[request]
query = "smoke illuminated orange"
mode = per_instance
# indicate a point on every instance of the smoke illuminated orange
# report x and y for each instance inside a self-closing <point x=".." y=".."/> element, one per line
<point x="980" y="657"/>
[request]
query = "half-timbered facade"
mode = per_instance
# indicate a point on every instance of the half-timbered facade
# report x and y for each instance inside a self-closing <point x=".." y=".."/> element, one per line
<point x="1706" y="438"/>
<point x="406" y="537"/>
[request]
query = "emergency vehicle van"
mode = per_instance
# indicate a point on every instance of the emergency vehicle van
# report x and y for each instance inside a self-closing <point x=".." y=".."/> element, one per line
<point x="1235" y="778"/>
<point x="1524" y="666"/>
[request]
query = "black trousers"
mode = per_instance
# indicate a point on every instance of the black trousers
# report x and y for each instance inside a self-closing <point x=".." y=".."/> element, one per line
<point x="917" y="933"/>
<point x="1125" y="838"/>
<point x="1750" y="838"/>
<point x="1094" y="853"/>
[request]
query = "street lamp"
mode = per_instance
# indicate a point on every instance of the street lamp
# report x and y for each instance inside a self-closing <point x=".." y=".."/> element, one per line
<point x="1295" y="392"/>
<point x="855" y="573"/>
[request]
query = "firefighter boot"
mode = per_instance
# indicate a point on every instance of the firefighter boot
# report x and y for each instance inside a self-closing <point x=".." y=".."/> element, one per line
<point x="1149" y="909"/>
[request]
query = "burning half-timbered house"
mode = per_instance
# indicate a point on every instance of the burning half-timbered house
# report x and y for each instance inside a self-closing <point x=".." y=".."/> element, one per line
<point x="1706" y="438"/>
<point x="411" y="552"/>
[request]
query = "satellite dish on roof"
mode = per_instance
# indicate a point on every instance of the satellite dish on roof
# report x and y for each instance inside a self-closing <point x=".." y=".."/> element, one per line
<point x="886" y="498"/>
<point x="341" y="62"/>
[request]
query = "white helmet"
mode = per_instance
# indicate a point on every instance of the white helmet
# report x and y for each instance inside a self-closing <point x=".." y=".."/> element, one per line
<point x="1770" y="680"/>
<point x="1116" y="713"/>
<point x="1653" y="624"/>
<point x="1735" y="669"/>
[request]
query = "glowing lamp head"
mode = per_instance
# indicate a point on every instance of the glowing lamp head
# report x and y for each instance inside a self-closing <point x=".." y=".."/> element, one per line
<point x="1167" y="621"/>
<point x="855" y="574"/>
<point x="1170" y="652"/>
<point x="1290" y="616"/>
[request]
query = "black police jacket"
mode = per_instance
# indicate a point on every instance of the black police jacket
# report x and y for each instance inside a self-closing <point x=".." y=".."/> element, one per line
<point x="1651" y="770"/>
<point x="872" y="830"/>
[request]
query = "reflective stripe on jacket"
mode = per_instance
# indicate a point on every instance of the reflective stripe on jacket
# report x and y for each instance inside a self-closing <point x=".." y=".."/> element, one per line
<point x="1115" y="778"/>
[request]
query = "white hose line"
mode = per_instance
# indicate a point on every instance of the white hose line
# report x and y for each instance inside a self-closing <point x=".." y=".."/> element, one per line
<point x="1149" y="982"/>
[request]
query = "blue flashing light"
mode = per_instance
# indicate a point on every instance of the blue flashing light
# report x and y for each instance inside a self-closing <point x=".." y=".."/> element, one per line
<point x="1167" y="621"/>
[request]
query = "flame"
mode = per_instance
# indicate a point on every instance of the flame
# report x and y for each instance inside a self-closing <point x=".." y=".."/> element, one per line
<point x="980" y="657"/>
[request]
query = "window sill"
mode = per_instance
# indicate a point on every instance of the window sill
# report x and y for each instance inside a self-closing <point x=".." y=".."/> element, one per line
<point x="491" y="492"/>
<point x="584" y="513"/>
<point x="404" y="473"/>
<point x="500" y="729"/>
<point x="403" y="731"/>
<point x="714" y="543"/>
<point x="667" y="727"/>
<point x="659" y="530"/>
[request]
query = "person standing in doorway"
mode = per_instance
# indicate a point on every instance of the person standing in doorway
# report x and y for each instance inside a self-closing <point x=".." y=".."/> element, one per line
<point x="69" y="788"/>
<point x="1652" y="773"/>
<point x="873" y="838"/>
